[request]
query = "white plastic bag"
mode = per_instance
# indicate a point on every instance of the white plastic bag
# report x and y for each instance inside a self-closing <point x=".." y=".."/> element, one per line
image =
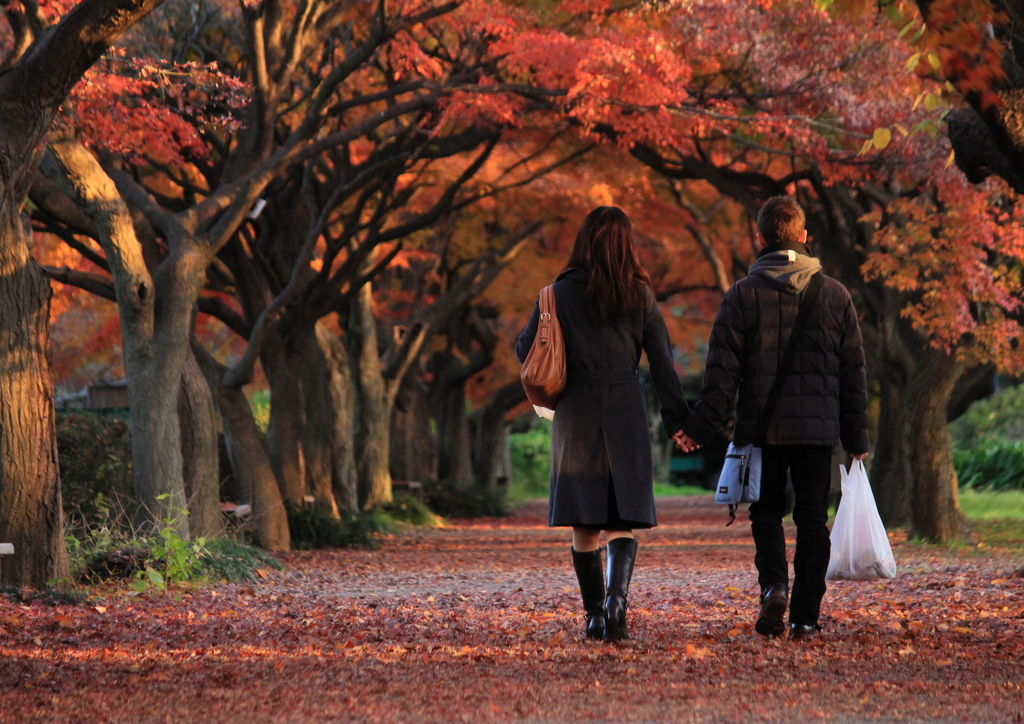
<point x="860" y="547"/>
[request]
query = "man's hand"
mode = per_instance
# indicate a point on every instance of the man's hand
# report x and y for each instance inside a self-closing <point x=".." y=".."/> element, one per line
<point x="684" y="442"/>
<point x="862" y="456"/>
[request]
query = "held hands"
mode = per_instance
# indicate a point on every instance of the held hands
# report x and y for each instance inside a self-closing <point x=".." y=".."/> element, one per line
<point x="684" y="442"/>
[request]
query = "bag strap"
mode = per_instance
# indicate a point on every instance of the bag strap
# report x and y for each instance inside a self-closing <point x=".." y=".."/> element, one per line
<point x="810" y="294"/>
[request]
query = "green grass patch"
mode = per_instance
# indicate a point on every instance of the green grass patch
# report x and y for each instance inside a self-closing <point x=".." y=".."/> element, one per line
<point x="992" y="504"/>
<point x="665" y="490"/>
<point x="996" y="534"/>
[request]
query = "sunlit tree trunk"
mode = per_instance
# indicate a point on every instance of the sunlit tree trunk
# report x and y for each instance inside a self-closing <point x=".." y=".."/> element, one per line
<point x="372" y="405"/>
<point x="30" y="503"/>
<point x="328" y="446"/>
<point x="156" y="318"/>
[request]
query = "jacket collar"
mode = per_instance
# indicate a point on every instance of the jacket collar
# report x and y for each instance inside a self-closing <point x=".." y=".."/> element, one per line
<point x="796" y="246"/>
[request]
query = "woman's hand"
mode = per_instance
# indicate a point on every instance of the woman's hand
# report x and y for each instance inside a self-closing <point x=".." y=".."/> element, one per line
<point x="684" y="442"/>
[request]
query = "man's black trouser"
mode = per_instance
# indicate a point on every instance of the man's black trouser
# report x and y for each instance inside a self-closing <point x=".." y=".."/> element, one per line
<point x="811" y="470"/>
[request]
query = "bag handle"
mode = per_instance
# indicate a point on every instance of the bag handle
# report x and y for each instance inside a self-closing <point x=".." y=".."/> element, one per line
<point x="810" y="294"/>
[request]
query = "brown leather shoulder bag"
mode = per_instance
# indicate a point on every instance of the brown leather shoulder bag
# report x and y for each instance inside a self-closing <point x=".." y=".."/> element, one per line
<point x="543" y="372"/>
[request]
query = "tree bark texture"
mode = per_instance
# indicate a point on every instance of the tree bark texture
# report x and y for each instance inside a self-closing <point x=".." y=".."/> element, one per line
<point x="491" y="438"/>
<point x="935" y="504"/>
<point x="891" y="474"/>
<point x="454" y="446"/>
<point x="36" y="80"/>
<point x="30" y="503"/>
<point x="413" y="449"/>
<point x="284" y="433"/>
<point x="327" y="441"/>
<point x="249" y="460"/>
<point x="156" y="319"/>
<point x="372" y="409"/>
<point x="197" y="418"/>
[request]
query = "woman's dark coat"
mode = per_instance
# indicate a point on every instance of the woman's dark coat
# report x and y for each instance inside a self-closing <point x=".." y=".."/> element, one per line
<point x="600" y="441"/>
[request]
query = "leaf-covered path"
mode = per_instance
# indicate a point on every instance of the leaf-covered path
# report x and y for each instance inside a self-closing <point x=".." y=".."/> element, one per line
<point x="479" y="622"/>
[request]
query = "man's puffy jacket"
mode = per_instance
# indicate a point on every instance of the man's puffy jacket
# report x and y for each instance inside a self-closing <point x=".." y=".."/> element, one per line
<point x="824" y="397"/>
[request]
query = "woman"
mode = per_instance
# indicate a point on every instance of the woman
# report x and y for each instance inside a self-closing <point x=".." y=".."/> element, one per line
<point x="601" y="470"/>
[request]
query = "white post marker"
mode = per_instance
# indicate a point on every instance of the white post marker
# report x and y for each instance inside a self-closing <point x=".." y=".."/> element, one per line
<point x="6" y="549"/>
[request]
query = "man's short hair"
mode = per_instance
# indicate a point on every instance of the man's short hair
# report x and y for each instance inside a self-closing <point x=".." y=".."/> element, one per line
<point x="781" y="220"/>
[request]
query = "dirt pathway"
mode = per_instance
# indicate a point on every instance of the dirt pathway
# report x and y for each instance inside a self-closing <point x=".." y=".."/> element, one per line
<point x="480" y="623"/>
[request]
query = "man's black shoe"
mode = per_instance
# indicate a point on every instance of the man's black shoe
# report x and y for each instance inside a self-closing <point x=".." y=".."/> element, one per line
<point x="774" y="600"/>
<point x="803" y="631"/>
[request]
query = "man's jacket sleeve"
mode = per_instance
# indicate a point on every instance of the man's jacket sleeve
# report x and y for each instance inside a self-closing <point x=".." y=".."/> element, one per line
<point x="853" y="385"/>
<point x="726" y="352"/>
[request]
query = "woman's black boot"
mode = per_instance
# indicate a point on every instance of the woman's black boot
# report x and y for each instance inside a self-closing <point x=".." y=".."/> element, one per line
<point x="621" y="555"/>
<point x="591" y="578"/>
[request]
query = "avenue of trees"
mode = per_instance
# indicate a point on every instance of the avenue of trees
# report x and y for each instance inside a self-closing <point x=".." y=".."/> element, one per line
<point x="363" y="198"/>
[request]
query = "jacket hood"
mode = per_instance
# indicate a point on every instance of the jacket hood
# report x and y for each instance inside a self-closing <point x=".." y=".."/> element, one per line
<point x="788" y="270"/>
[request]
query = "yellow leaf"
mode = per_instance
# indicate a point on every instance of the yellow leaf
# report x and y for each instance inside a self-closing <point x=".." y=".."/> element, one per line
<point x="912" y="61"/>
<point x="906" y="28"/>
<point x="997" y="581"/>
<point x="917" y="101"/>
<point x="881" y="138"/>
<point x="933" y="58"/>
<point x="100" y="609"/>
<point x="903" y="131"/>
<point x="734" y="632"/>
<point x="949" y="162"/>
<point x="931" y="102"/>
<point x="960" y="629"/>
<point x="865" y="148"/>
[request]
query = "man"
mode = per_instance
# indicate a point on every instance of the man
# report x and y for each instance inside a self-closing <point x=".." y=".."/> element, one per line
<point x="823" y="402"/>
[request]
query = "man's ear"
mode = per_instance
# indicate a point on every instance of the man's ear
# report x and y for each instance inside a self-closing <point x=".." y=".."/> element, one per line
<point x="759" y="241"/>
<point x="803" y="239"/>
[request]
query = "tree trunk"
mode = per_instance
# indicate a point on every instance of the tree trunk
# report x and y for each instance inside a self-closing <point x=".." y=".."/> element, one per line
<point x="492" y="435"/>
<point x="372" y="408"/>
<point x="454" y="450"/>
<point x="891" y="476"/>
<point x="200" y="463"/>
<point x="30" y="504"/>
<point x="284" y="433"/>
<point x="156" y="320"/>
<point x="413" y="449"/>
<point x="249" y="460"/>
<point x="327" y="433"/>
<point x="935" y="505"/>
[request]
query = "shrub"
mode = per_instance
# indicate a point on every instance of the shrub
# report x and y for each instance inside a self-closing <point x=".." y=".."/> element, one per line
<point x="992" y="465"/>
<point x="229" y="560"/>
<point x="452" y="502"/>
<point x="531" y="461"/>
<point x="95" y="455"/>
<point x="409" y="510"/>
<point x="998" y="418"/>
<point x="312" y="528"/>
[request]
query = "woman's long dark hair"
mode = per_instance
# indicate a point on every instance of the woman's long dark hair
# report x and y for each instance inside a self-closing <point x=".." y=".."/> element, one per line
<point x="606" y="248"/>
